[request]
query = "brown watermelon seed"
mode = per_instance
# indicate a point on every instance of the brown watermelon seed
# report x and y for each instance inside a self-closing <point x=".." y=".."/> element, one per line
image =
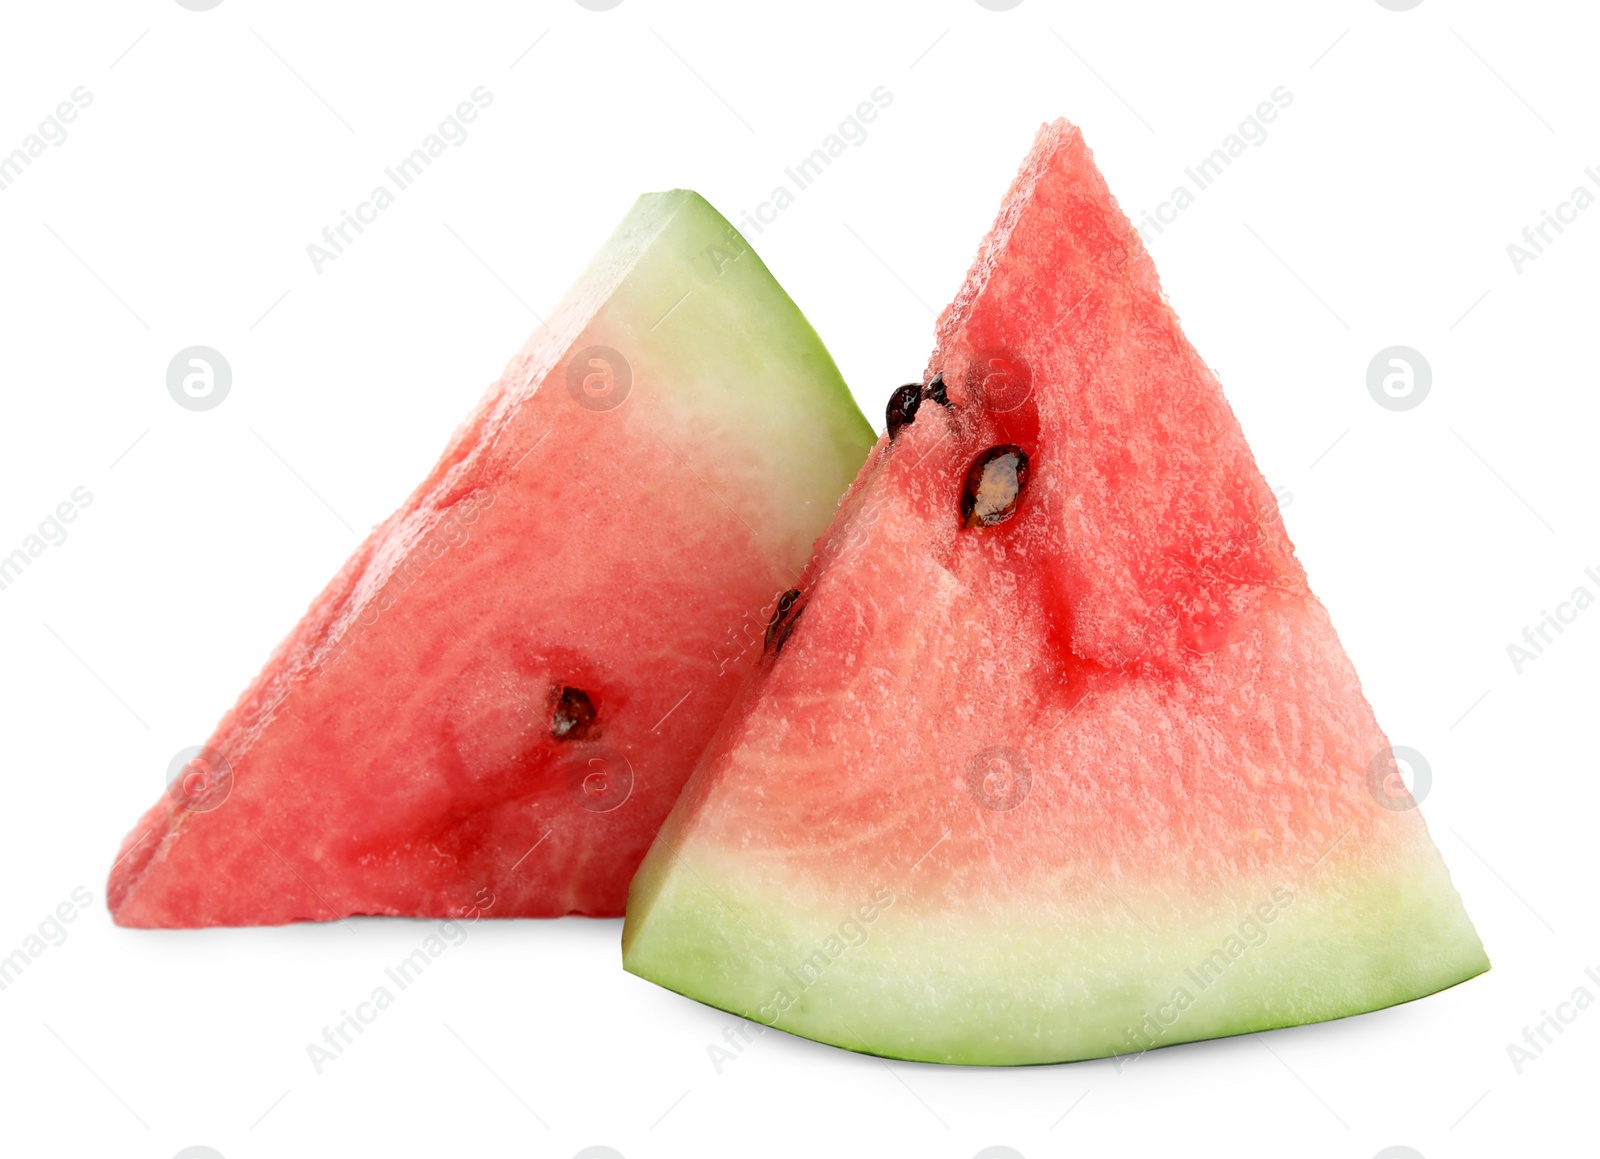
<point x="573" y="716"/>
<point x="783" y="621"/>
<point x="935" y="390"/>
<point x="902" y="408"/>
<point x="994" y="484"/>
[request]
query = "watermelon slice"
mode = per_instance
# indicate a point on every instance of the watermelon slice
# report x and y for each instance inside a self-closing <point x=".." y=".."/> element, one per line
<point x="1053" y="754"/>
<point x="495" y="703"/>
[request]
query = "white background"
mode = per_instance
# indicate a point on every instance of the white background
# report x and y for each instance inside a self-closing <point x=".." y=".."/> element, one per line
<point x="218" y="144"/>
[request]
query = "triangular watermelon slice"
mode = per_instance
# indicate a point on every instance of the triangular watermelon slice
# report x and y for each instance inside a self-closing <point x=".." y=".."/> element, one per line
<point x="1054" y="755"/>
<point x="493" y="706"/>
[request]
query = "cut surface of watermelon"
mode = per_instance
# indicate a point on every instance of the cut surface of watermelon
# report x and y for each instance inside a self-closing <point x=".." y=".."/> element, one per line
<point x="1059" y="757"/>
<point x="494" y="704"/>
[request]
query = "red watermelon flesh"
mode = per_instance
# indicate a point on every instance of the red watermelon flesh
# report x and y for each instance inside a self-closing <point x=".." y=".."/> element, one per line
<point x="493" y="706"/>
<point x="1059" y="756"/>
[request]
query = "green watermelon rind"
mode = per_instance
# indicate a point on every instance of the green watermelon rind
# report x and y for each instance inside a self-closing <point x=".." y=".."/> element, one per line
<point x="1349" y="941"/>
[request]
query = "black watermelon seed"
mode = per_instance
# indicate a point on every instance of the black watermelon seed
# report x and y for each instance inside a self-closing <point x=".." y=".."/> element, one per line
<point x="783" y="620"/>
<point x="902" y="406"/>
<point x="995" y="482"/>
<point x="573" y="716"/>
<point x="935" y="390"/>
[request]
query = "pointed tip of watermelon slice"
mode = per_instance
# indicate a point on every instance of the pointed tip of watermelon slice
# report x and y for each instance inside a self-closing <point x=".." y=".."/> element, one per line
<point x="1058" y="145"/>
